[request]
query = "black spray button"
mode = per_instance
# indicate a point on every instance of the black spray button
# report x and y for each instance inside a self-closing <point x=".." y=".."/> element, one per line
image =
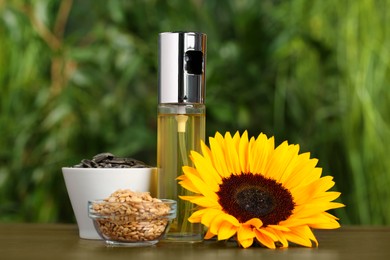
<point x="194" y="62"/>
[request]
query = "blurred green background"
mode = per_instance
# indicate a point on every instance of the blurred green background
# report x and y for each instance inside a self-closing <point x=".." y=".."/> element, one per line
<point x="80" y="77"/>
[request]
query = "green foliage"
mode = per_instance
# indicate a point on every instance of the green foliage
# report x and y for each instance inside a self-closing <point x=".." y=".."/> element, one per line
<point x="80" y="77"/>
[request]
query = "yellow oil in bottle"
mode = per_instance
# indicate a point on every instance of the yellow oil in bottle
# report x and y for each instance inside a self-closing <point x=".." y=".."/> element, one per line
<point x="178" y="134"/>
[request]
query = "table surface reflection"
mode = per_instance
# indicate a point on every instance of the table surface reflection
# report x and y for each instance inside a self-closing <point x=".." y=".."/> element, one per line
<point x="61" y="241"/>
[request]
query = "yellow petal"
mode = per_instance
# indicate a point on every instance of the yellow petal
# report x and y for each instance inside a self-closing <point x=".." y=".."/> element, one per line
<point x="322" y="220"/>
<point x="291" y="163"/>
<point x="320" y="199"/>
<point x="279" y="162"/>
<point x="219" y="158"/>
<point x="275" y="161"/>
<point x="314" y="191"/>
<point x="243" y="152"/>
<point x="279" y="227"/>
<point x="181" y="177"/>
<point x="301" y="236"/>
<point x="314" y="188"/>
<point x="328" y="196"/>
<point x="304" y="198"/>
<point x="236" y="141"/>
<point x="264" y="239"/>
<point x="232" y="158"/>
<point x="307" y="177"/>
<point x="260" y="153"/>
<point x="219" y="138"/>
<point x="226" y="230"/>
<point x="215" y="223"/>
<point x="206" y="171"/>
<point x="202" y="201"/>
<point x="323" y="184"/>
<point x="231" y="219"/>
<point x="245" y="232"/>
<point x="189" y="198"/>
<point x="206" y="202"/>
<point x="254" y="222"/>
<point x="310" y="234"/>
<point x="303" y="172"/>
<point x="200" y="184"/>
<point x="251" y="155"/>
<point x="196" y="217"/>
<point x="309" y="209"/>
<point x="206" y="152"/>
<point x="268" y="232"/>
<point x="245" y="236"/>
<point x="298" y="237"/>
<point x="279" y="236"/>
<point x="330" y="225"/>
<point x="245" y="243"/>
<point x="188" y="185"/>
<point x="209" y="216"/>
<point x="221" y="218"/>
<point x="191" y="170"/>
<point x="209" y="235"/>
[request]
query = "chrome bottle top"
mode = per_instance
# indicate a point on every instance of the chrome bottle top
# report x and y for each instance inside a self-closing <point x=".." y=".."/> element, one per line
<point x="182" y="67"/>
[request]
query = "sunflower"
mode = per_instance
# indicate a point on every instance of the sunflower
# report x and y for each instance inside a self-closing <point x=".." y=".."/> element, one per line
<point x="252" y="191"/>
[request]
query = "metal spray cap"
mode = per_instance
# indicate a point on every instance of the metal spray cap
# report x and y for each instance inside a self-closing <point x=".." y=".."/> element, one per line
<point x="182" y="67"/>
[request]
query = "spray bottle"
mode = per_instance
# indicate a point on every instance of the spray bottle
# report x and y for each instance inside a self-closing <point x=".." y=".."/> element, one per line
<point x="181" y="121"/>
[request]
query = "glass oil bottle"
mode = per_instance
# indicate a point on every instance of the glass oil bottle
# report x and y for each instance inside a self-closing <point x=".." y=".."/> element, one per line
<point x="181" y="121"/>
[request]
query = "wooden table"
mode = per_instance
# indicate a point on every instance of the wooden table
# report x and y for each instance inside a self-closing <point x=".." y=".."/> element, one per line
<point x="58" y="241"/>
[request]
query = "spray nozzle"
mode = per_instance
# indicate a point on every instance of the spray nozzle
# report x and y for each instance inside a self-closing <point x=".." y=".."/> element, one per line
<point x="194" y="62"/>
<point x="182" y="68"/>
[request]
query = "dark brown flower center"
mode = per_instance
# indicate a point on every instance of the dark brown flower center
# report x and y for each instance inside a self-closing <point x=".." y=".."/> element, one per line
<point x="255" y="200"/>
<point x="248" y="196"/>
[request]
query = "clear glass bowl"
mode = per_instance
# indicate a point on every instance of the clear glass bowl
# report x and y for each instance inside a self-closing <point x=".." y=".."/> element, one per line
<point x="132" y="223"/>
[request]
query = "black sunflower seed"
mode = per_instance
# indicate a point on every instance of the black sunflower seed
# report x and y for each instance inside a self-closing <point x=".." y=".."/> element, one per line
<point x="108" y="160"/>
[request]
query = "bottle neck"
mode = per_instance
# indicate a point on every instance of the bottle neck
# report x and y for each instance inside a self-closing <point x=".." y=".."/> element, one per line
<point x="181" y="108"/>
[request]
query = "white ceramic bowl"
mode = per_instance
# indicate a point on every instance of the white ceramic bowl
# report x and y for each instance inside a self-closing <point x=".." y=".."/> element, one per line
<point x="85" y="184"/>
